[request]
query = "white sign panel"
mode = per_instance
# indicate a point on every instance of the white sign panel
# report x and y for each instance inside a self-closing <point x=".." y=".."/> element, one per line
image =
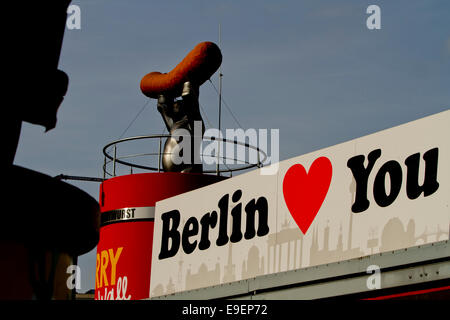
<point x="382" y="192"/>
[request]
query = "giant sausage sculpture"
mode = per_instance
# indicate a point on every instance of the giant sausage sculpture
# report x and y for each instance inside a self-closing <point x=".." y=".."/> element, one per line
<point x="184" y="80"/>
<point x="197" y="67"/>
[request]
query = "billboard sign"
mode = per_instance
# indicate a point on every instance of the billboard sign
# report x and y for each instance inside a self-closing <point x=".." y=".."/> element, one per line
<point x="378" y="193"/>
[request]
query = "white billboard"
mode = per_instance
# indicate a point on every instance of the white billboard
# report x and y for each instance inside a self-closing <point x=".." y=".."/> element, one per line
<point x="382" y="192"/>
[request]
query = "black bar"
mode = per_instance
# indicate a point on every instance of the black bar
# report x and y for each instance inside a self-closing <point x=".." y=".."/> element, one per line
<point x="79" y="178"/>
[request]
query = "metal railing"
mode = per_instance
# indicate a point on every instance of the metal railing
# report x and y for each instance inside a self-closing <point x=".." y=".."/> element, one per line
<point x="111" y="156"/>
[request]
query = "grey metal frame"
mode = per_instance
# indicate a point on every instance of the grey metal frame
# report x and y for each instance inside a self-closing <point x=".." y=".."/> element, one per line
<point x="114" y="159"/>
<point x="415" y="265"/>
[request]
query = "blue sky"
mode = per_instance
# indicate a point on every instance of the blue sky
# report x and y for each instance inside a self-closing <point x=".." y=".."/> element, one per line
<point x="309" y="68"/>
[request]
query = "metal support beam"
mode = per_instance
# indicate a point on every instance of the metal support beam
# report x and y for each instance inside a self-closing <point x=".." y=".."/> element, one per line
<point x="79" y="178"/>
<point x="418" y="265"/>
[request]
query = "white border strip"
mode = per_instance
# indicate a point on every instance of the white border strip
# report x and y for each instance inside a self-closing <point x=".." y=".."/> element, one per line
<point x="127" y="214"/>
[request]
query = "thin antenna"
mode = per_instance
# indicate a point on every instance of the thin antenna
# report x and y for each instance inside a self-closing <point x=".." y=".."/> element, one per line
<point x="220" y="103"/>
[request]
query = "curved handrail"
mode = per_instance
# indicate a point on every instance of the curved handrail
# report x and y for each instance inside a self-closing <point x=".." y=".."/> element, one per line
<point x="120" y="160"/>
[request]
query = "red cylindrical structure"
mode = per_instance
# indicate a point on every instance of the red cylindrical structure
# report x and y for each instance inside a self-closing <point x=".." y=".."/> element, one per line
<point x="124" y="252"/>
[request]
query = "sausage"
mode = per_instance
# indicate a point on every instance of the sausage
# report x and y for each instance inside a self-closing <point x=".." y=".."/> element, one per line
<point x="197" y="67"/>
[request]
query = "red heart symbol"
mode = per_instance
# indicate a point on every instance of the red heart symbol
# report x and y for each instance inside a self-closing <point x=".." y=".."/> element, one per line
<point x="304" y="192"/>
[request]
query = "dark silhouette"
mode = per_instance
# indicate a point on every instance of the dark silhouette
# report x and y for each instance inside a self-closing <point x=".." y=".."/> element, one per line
<point x="45" y="223"/>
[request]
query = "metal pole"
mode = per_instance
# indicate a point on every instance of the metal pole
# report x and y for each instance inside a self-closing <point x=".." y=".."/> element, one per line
<point x="79" y="178"/>
<point x="220" y="108"/>
<point x="114" y="160"/>
<point x="104" y="168"/>
<point x="159" y="155"/>
<point x="220" y="124"/>
<point x="259" y="161"/>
